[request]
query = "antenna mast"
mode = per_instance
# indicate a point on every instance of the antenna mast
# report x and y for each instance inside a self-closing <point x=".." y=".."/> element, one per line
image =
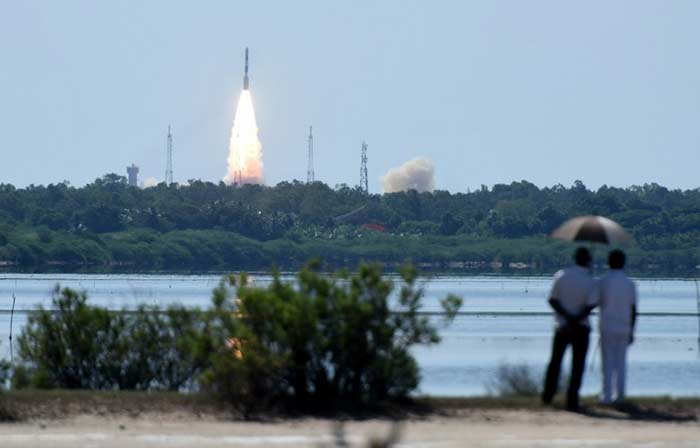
<point x="363" y="169"/>
<point x="169" y="163"/>
<point x="310" y="176"/>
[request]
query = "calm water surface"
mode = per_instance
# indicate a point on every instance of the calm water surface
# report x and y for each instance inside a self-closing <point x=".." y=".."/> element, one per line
<point x="504" y="320"/>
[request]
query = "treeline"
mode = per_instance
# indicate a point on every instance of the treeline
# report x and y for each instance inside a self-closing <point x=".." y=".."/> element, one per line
<point x="204" y="226"/>
<point x="318" y="343"/>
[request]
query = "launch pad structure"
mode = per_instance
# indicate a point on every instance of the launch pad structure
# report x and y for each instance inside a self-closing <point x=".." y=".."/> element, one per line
<point x="133" y="173"/>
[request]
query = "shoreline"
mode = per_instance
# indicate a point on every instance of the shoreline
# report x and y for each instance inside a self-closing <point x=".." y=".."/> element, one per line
<point x="57" y="404"/>
<point x="136" y="419"/>
<point x="391" y="273"/>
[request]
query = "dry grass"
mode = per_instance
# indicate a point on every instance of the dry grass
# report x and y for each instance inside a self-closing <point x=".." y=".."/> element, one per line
<point x="56" y="404"/>
<point x="24" y="405"/>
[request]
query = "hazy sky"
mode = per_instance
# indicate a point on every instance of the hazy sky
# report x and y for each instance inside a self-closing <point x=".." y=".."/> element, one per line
<point x="492" y="91"/>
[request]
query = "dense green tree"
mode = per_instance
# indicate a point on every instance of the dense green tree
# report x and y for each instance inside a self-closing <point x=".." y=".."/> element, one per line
<point x="204" y="225"/>
<point x="320" y="342"/>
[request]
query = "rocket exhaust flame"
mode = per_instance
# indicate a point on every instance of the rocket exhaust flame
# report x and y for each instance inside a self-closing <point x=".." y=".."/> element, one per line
<point x="245" y="150"/>
<point x="245" y="164"/>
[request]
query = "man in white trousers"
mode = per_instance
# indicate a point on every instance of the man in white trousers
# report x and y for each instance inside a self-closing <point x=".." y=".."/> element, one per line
<point x="618" y="314"/>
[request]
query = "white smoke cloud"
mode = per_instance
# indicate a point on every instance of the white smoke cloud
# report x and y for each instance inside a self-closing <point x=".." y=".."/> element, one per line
<point x="150" y="182"/>
<point x="245" y="165"/>
<point x="416" y="174"/>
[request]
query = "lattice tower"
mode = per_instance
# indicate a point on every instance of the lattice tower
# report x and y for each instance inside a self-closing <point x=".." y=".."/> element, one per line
<point x="169" y="162"/>
<point x="363" y="169"/>
<point x="310" y="175"/>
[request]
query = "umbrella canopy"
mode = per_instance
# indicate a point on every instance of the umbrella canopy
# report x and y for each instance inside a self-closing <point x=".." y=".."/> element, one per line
<point x="596" y="229"/>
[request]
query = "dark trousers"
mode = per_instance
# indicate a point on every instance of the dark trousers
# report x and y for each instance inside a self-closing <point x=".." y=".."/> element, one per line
<point x="577" y="337"/>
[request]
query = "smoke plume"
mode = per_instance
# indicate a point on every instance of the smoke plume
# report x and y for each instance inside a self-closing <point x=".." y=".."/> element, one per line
<point x="416" y="174"/>
<point x="245" y="150"/>
<point x="150" y="182"/>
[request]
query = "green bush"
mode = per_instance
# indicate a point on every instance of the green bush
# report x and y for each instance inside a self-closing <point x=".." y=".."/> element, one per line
<point x="5" y="369"/>
<point x="318" y="342"/>
<point x="78" y="346"/>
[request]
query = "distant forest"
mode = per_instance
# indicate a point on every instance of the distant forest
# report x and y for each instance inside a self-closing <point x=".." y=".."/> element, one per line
<point x="108" y="225"/>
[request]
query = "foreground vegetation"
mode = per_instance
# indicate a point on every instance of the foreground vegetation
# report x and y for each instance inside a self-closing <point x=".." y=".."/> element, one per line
<point x="204" y="226"/>
<point x="321" y="343"/>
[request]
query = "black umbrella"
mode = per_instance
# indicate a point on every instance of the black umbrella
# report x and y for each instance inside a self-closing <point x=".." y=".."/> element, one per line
<point x="595" y="229"/>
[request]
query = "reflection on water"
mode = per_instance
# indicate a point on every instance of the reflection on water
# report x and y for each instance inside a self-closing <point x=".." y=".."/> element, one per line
<point x="509" y="324"/>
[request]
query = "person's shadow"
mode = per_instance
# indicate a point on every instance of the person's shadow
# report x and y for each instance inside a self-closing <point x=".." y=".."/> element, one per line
<point x="634" y="411"/>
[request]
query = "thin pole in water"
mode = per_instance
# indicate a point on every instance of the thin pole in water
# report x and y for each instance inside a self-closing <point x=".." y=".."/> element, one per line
<point x="12" y="315"/>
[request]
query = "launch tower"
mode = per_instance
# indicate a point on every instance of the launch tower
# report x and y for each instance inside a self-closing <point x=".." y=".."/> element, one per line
<point x="169" y="162"/>
<point x="364" y="184"/>
<point x="310" y="176"/>
<point x="133" y="173"/>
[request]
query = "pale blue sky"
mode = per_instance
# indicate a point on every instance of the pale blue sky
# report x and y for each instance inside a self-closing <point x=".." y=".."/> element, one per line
<point x="493" y="91"/>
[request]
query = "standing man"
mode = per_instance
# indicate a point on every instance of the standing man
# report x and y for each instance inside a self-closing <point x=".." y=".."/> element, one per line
<point x="572" y="298"/>
<point x="618" y="314"/>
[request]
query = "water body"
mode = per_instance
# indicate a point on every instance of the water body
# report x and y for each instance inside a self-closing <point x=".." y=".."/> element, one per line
<point x="504" y="320"/>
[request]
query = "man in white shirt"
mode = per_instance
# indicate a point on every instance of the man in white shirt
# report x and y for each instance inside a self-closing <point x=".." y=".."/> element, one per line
<point x="572" y="298"/>
<point x="618" y="314"/>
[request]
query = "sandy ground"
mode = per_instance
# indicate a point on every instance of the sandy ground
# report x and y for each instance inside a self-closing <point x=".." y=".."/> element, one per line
<point x="490" y="428"/>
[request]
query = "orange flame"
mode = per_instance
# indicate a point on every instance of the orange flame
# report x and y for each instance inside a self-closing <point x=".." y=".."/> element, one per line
<point x="236" y="346"/>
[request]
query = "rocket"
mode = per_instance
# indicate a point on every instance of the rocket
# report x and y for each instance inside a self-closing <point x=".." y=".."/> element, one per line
<point x="245" y="76"/>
